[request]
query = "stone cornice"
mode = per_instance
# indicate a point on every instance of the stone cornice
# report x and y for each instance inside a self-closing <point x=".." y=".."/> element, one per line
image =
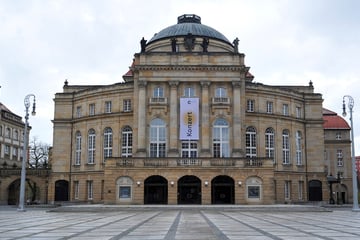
<point x="190" y="68"/>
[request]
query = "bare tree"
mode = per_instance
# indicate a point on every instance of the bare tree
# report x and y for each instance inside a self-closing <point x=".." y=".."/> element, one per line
<point x="39" y="154"/>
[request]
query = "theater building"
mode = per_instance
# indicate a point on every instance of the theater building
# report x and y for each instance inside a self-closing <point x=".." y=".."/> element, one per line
<point x="188" y="125"/>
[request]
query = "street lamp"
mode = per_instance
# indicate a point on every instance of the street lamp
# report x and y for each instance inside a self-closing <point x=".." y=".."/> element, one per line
<point x="24" y="160"/>
<point x="354" y="180"/>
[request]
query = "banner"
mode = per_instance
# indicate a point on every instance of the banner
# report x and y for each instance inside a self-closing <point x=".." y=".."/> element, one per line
<point x="189" y="118"/>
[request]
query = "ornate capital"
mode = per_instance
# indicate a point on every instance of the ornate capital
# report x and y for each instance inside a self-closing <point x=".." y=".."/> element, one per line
<point x="236" y="84"/>
<point x="205" y="84"/>
<point x="142" y="83"/>
<point x="173" y="84"/>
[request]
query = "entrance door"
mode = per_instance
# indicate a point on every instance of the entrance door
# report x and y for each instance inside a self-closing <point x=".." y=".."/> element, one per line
<point x="61" y="190"/>
<point x="222" y="190"/>
<point x="315" y="190"/>
<point x="13" y="192"/>
<point x="155" y="190"/>
<point x="189" y="190"/>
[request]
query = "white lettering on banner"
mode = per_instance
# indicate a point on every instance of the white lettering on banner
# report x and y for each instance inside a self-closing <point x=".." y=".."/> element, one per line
<point x="189" y="118"/>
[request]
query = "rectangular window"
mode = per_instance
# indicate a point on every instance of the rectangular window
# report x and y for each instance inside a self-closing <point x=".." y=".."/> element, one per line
<point x="298" y="148"/>
<point x="269" y="107"/>
<point x="90" y="193"/>
<point x="78" y="149"/>
<point x="7" y="150"/>
<point x="189" y="92"/>
<point x="78" y="111"/>
<point x="286" y="148"/>
<point x="250" y="105"/>
<point x="91" y="149"/>
<point x="301" y="190"/>
<point x="127" y="139"/>
<point x="15" y="151"/>
<point x="339" y="155"/>
<point x="76" y="189"/>
<point x="92" y="109"/>
<point x="338" y="136"/>
<point x="127" y="105"/>
<point x="125" y="192"/>
<point x="108" y="107"/>
<point x="189" y="149"/>
<point x="157" y="149"/>
<point x="269" y="144"/>
<point x="285" y="109"/>
<point x="253" y="191"/>
<point x="287" y="189"/>
<point x="298" y="112"/>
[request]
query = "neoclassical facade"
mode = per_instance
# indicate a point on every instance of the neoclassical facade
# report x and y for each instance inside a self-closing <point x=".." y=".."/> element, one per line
<point x="188" y="125"/>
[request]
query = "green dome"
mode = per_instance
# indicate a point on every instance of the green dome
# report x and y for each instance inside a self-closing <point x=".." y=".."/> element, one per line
<point x="189" y="23"/>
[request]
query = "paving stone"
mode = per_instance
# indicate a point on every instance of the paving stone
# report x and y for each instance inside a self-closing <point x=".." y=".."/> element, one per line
<point x="221" y="223"/>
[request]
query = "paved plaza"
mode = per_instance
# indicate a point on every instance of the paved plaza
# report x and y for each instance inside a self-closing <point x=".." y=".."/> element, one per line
<point x="190" y="222"/>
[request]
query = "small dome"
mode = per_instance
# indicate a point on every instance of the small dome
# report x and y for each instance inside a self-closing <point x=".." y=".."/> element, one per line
<point x="189" y="23"/>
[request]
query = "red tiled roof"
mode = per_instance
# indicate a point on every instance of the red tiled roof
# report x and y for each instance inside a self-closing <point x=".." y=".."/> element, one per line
<point x="335" y="122"/>
<point x="130" y="72"/>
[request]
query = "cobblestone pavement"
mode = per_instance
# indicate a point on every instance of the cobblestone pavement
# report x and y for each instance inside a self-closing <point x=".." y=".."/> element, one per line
<point x="180" y="223"/>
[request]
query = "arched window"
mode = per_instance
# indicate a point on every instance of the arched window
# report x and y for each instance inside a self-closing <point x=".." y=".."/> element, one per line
<point x="270" y="143"/>
<point x="77" y="148"/>
<point x="298" y="148"/>
<point x="16" y="135"/>
<point x="157" y="138"/>
<point x="220" y="92"/>
<point x="108" y="142"/>
<point x="126" y="145"/>
<point x="91" y="147"/>
<point x="286" y="147"/>
<point x="189" y="92"/>
<point x="124" y="189"/>
<point x="221" y="147"/>
<point x="250" y="142"/>
<point x="254" y="189"/>
<point x="8" y="132"/>
<point x="158" y="92"/>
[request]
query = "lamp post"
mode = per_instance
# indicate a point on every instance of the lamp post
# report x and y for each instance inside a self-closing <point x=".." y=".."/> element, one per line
<point x="354" y="180"/>
<point x="24" y="160"/>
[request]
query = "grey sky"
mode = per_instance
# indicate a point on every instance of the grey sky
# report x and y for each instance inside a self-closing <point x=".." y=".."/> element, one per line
<point x="42" y="43"/>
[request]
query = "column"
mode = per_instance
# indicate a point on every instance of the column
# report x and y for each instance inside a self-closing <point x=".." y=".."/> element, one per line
<point x="173" y="146"/>
<point x="141" y="150"/>
<point x="205" y="120"/>
<point x="236" y="150"/>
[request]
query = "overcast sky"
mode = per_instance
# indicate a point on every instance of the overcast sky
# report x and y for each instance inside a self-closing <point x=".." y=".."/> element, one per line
<point x="44" y="42"/>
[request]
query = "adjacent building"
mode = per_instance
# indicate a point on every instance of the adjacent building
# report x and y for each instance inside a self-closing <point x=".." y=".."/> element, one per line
<point x="189" y="125"/>
<point x="338" y="164"/>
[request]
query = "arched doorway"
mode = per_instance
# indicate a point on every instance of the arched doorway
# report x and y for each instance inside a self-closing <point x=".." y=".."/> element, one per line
<point x="32" y="192"/>
<point x="315" y="190"/>
<point x="155" y="190"/>
<point x="13" y="192"/>
<point x="61" y="190"/>
<point x="222" y="190"/>
<point x="189" y="190"/>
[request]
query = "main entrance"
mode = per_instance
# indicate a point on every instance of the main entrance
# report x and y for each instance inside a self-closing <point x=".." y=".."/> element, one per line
<point x="61" y="190"/>
<point x="156" y="190"/>
<point x="222" y="190"/>
<point x="315" y="190"/>
<point x="189" y="190"/>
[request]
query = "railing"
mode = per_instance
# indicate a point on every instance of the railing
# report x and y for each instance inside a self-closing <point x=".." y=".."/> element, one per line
<point x="221" y="100"/>
<point x="190" y="162"/>
<point x="253" y="162"/>
<point x="29" y="171"/>
<point x="158" y="100"/>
